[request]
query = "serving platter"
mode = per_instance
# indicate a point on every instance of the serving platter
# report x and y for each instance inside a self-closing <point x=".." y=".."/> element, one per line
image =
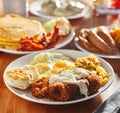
<point x="36" y="9"/>
<point x="77" y="44"/>
<point x="27" y="95"/>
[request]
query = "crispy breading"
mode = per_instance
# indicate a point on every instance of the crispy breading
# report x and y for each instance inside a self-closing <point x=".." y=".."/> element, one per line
<point x="94" y="84"/>
<point x="39" y="88"/>
<point x="62" y="91"/>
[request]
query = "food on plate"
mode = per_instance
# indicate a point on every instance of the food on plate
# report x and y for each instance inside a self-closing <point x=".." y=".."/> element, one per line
<point x="40" y="87"/>
<point x="84" y="42"/>
<point x="66" y="84"/>
<point x="89" y="62"/>
<point x="21" y="77"/>
<point x="92" y="63"/>
<point x="97" y="40"/>
<point x="59" y="77"/>
<point x="62" y="23"/>
<point x="105" y="35"/>
<point x="23" y="34"/>
<point x="14" y="27"/>
<point x="46" y="41"/>
<point x="62" y="91"/>
<point x="62" y="8"/>
<point x="57" y="59"/>
<point x="93" y="84"/>
<point x="115" y="33"/>
<point x="56" y="91"/>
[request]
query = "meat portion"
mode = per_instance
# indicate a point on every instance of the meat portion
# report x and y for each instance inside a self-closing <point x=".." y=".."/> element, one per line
<point x="97" y="40"/>
<point x="85" y="43"/>
<point x="56" y="91"/>
<point x="62" y="91"/>
<point x="94" y="84"/>
<point x="102" y="31"/>
<point x="40" y="87"/>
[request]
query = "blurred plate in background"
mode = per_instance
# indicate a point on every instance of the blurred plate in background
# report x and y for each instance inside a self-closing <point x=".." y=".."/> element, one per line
<point x="36" y="9"/>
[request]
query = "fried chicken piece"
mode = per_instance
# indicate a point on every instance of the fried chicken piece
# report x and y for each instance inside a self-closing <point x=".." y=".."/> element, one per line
<point x="62" y="91"/>
<point x="40" y="87"/>
<point x="94" y="84"/>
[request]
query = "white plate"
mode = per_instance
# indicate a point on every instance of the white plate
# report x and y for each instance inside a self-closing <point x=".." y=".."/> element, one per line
<point x="77" y="44"/>
<point x="66" y="40"/>
<point x="26" y="94"/>
<point x="35" y="8"/>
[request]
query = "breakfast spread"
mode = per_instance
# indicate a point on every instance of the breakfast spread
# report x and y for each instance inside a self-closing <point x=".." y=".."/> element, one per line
<point x="59" y="77"/>
<point x="23" y="34"/>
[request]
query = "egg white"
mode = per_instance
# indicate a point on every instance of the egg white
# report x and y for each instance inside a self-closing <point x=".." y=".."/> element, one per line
<point x="49" y="61"/>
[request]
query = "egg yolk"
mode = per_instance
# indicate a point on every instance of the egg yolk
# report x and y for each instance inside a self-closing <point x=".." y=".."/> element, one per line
<point x="60" y="64"/>
<point x="42" y="67"/>
<point x="56" y="70"/>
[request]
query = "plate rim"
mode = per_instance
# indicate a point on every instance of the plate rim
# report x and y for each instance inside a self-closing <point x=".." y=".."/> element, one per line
<point x="102" y="89"/>
<point x="32" y="10"/>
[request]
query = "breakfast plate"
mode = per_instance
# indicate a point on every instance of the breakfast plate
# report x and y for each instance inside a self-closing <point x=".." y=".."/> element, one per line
<point x="26" y="94"/>
<point x="77" y="44"/>
<point x="66" y="40"/>
<point x="36" y="9"/>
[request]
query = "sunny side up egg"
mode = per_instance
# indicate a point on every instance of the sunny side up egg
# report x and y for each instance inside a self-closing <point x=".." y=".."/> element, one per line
<point x="52" y="63"/>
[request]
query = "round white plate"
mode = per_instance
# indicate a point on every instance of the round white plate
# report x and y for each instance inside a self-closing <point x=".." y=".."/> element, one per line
<point x="66" y="40"/>
<point x="26" y="94"/>
<point x="77" y="44"/>
<point x="35" y="8"/>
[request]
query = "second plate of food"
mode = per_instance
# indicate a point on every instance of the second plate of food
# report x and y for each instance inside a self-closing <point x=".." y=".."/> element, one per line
<point x="22" y="35"/>
<point x="70" y="10"/>
<point x="99" y="41"/>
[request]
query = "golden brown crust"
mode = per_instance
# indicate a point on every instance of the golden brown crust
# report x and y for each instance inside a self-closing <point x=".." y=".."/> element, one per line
<point x="85" y="43"/>
<point x="99" y="42"/>
<point x="40" y="87"/>
<point x="62" y="91"/>
<point x="94" y="84"/>
<point x="105" y="35"/>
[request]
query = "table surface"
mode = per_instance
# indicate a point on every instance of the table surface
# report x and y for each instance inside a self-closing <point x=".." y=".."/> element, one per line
<point x="10" y="103"/>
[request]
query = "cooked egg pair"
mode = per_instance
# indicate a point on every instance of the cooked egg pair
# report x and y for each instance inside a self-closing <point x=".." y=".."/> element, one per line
<point x="50" y="63"/>
<point x="43" y="64"/>
<point x="54" y="67"/>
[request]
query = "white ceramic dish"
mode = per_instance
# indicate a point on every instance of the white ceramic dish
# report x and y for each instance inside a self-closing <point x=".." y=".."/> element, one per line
<point x="116" y="56"/>
<point x="26" y="94"/>
<point x="35" y="8"/>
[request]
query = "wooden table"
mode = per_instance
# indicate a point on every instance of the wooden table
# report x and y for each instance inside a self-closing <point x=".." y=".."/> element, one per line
<point x="10" y="103"/>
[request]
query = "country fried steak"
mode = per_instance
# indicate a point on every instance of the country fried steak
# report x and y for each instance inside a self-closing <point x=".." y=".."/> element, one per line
<point x="61" y="91"/>
<point x="40" y="88"/>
